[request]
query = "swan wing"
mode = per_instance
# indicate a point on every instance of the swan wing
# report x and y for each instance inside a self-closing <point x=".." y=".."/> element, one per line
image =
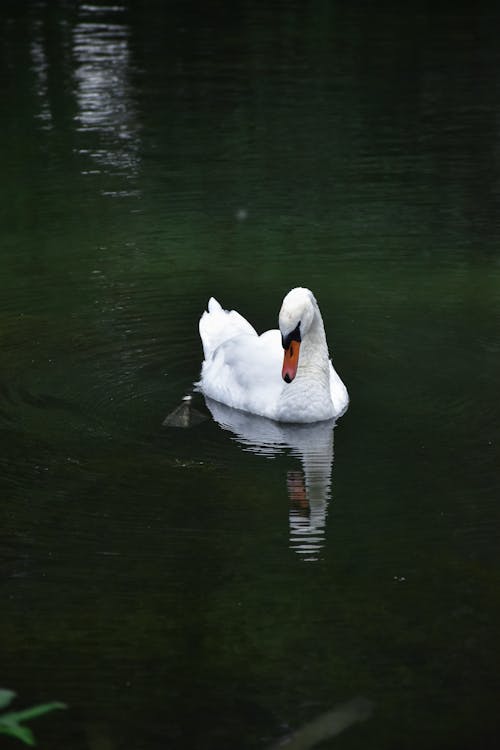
<point x="244" y="372"/>
<point x="218" y="325"/>
<point x="338" y="392"/>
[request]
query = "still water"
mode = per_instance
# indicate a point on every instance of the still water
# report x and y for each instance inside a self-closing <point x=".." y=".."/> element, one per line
<point x="223" y="585"/>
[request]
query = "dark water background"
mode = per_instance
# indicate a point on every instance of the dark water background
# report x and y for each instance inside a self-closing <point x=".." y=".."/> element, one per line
<point x="187" y="588"/>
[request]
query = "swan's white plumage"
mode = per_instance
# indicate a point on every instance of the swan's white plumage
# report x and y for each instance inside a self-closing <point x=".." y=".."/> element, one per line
<point x="219" y="325"/>
<point x="243" y="370"/>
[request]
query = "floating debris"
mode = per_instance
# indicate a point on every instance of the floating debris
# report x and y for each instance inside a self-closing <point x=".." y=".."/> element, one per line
<point x="326" y="725"/>
<point x="184" y="415"/>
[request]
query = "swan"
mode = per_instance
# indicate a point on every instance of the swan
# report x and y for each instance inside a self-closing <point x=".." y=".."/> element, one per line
<point x="285" y="375"/>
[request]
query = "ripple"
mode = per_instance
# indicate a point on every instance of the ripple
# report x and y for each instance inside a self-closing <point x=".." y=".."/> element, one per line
<point x="13" y="398"/>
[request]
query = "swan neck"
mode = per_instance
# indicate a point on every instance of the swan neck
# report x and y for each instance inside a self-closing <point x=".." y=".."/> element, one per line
<point x="314" y="349"/>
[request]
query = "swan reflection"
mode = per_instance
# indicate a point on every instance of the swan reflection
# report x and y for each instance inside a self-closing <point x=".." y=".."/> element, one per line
<point x="309" y="489"/>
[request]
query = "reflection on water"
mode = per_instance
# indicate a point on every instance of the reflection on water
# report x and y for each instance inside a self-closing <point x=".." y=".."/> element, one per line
<point x="309" y="489"/>
<point x="355" y="152"/>
<point x="102" y="72"/>
<point x="40" y="68"/>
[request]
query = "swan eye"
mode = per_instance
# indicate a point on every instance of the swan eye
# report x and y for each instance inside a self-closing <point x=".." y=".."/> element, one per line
<point x="293" y="336"/>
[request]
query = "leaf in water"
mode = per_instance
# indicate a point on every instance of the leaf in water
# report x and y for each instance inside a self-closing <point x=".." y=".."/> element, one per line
<point x="6" y="696"/>
<point x="15" y="730"/>
<point x="327" y="725"/>
<point x="10" y="723"/>
<point x="185" y="415"/>
<point x="32" y="713"/>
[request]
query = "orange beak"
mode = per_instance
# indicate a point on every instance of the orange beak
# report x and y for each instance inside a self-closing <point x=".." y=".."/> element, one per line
<point x="290" y="361"/>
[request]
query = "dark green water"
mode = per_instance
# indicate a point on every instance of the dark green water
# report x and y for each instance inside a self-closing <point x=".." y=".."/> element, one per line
<point x="185" y="588"/>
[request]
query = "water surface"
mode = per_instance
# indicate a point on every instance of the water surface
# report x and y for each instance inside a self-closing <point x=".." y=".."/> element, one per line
<point x="224" y="585"/>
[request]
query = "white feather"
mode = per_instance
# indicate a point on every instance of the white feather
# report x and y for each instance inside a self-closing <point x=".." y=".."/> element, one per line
<point x="243" y="370"/>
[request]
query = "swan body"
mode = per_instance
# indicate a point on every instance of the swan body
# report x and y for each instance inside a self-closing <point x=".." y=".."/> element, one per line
<point x="285" y="375"/>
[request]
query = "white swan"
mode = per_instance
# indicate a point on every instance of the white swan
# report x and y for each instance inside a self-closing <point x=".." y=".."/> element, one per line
<point x="249" y="372"/>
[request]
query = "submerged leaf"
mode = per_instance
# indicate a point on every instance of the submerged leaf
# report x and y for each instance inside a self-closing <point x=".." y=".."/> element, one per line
<point x="184" y="415"/>
<point x="6" y="696"/>
<point x="10" y="723"/>
<point x="31" y="713"/>
<point x="15" y="730"/>
<point x="327" y="725"/>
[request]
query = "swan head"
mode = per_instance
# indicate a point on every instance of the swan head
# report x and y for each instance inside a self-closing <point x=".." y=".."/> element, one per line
<point x="295" y="319"/>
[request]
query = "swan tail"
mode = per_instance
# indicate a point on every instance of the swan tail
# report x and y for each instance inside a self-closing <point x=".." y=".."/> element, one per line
<point x="218" y="325"/>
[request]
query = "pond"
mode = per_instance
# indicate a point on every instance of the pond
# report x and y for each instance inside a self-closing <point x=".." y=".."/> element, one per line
<point x="224" y="584"/>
